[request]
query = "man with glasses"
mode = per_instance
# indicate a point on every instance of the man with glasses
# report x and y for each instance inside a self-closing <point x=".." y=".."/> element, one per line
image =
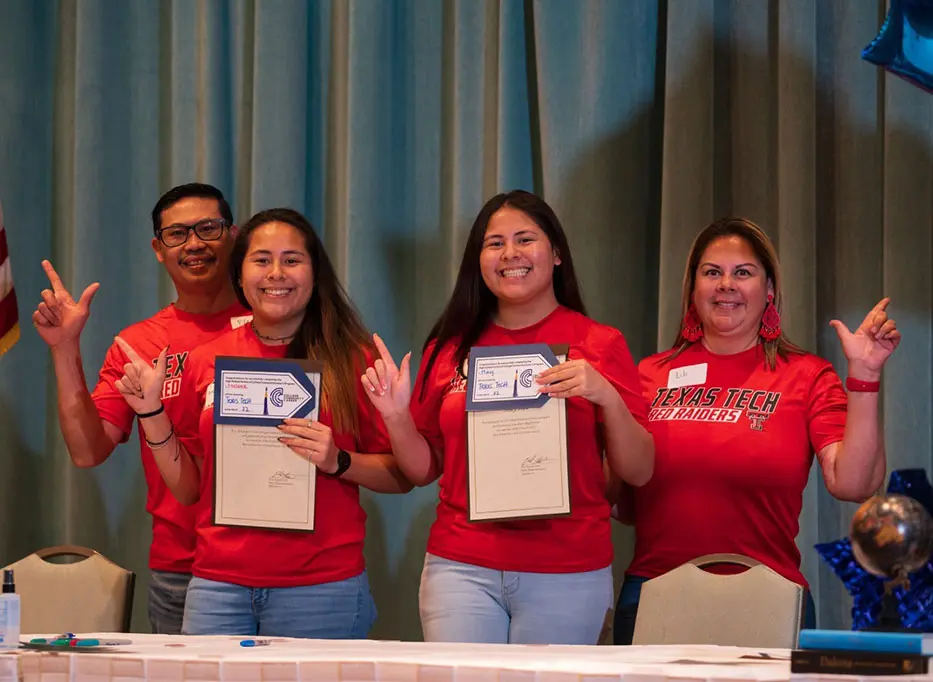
<point x="194" y="235"/>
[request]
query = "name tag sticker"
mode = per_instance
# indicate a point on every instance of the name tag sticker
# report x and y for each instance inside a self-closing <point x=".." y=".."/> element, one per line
<point x="239" y="321"/>
<point x="691" y="375"/>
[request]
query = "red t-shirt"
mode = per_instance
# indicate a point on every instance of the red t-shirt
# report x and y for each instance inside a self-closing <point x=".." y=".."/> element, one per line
<point x="574" y="543"/>
<point x="172" y="546"/>
<point x="255" y="557"/>
<point x="732" y="457"/>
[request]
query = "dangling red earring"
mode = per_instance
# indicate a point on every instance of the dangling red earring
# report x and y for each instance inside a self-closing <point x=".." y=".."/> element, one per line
<point x="770" y="321"/>
<point x="693" y="328"/>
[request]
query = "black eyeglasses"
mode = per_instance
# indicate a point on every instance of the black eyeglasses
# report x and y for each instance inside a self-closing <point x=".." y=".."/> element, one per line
<point x="207" y="230"/>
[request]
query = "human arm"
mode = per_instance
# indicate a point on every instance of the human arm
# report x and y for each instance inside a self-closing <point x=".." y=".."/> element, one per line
<point x="620" y="496"/>
<point x="141" y="387"/>
<point x="854" y="468"/>
<point x="59" y="320"/>
<point x="629" y="446"/>
<point x="314" y="441"/>
<point x="389" y="389"/>
<point x="372" y="464"/>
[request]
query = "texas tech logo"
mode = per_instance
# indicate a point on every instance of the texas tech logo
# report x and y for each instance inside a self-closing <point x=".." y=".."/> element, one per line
<point x="458" y="382"/>
<point x="757" y="420"/>
<point x="714" y="404"/>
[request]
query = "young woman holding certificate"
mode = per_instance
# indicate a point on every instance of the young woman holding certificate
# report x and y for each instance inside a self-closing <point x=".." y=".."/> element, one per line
<point x="257" y="581"/>
<point x="521" y="580"/>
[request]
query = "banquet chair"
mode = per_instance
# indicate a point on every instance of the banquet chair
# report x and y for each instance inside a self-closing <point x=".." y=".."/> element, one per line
<point x="688" y="605"/>
<point x="92" y="594"/>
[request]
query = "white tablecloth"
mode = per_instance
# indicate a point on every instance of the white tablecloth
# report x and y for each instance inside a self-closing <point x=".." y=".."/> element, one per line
<point x="165" y="658"/>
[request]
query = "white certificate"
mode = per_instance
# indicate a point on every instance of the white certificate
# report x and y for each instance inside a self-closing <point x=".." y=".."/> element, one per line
<point x="258" y="481"/>
<point x="517" y="464"/>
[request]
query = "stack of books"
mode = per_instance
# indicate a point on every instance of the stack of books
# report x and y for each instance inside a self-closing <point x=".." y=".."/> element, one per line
<point x="862" y="653"/>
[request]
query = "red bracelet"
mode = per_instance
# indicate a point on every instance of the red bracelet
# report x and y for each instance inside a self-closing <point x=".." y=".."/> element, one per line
<point x="860" y="386"/>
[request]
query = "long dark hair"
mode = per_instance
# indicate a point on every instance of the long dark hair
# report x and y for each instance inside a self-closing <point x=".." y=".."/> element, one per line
<point x="331" y="330"/>
<point x="764" y="250"/>
<point x="472" y="305"/>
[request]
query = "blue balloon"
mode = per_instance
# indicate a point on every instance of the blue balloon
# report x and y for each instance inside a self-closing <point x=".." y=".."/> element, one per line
<point x="904" y="45"/>
<point x="914" y="606"/>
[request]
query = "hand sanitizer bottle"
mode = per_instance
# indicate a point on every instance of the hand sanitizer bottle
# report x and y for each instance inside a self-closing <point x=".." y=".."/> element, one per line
<point x="9" y="613"/>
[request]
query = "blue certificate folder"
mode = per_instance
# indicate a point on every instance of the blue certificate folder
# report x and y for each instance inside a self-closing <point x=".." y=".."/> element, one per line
<point x="258" y="481"/>
<point x="503" y="377"/>
<point x="264" y="391"/>
<point x="537" y="494"/>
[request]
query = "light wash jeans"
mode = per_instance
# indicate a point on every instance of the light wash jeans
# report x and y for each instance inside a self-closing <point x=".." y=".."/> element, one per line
<point x="466" y="603"/>
<point x="167" y="601"/>
<point x="337" y="610"/>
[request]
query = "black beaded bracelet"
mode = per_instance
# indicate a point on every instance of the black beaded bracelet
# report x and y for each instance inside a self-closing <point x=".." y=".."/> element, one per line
<point x="146" y="415"/>
<point x="161" y="443"/>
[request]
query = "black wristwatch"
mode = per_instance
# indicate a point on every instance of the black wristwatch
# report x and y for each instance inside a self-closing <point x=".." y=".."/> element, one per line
<point x="343" y="463"/>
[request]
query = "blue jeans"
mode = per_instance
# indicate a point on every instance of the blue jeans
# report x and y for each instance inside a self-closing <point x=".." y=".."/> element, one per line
<point x="623" y="626"/>
<point x="466" y="603"/>
<point x="337" y="610"/>
<point x="167" y="601"/>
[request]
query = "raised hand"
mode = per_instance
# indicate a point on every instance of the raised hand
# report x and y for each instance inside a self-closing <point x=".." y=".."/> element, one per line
<point x="576" y="379"/>
<point x="59" y="319"/>
<point x="869" y="347"/>
<point x="388" y="386"/>
<point x="141" y="383"/>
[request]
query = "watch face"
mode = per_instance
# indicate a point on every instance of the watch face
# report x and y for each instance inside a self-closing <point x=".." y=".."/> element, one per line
<point x="343" y="461"/>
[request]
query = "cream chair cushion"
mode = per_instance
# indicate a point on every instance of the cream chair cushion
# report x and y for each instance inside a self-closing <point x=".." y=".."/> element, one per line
<point x="87" y="596"/>
<point x="755" y="608"/>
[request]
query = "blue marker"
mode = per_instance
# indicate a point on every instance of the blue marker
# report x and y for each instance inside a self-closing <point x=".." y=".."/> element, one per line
<point x="74" y="641"/>
<point x="104" y="642"/>
<point x="256" y="642"/>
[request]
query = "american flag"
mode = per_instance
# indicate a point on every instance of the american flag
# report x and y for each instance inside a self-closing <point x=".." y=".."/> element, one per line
<point x="9" y="318"/>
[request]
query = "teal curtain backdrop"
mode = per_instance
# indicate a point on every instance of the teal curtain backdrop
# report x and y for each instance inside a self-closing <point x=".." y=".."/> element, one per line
<point x="389" y="123"/>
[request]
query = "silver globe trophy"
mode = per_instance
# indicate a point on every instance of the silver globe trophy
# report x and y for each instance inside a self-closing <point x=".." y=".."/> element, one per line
<point x="892" y="537"/>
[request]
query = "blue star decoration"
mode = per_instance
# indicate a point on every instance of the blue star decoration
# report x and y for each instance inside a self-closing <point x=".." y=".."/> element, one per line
<point x="914" y="606"/>
<point x="904" y="44"/>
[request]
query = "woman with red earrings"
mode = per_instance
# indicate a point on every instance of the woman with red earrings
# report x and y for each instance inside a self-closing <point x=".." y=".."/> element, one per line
<point x="738" y="413"/>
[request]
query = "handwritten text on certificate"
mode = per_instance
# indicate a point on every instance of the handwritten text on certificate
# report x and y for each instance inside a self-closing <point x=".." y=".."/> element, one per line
<point x="510" y="377"/>
<point x="261" y="394"/>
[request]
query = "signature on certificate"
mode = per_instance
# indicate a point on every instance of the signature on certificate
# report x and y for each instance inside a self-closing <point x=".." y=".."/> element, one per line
<point x="281" y="478"/>
<point x="535" y="463"/>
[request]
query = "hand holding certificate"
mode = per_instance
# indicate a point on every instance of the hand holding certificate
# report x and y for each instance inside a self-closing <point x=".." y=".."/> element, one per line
<point x="517" y="465"/>
<point x="259" y="481"/>
<point x="577" y="379"/>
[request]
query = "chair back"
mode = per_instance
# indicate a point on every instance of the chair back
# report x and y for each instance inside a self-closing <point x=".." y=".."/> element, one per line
<point x="688" y="605"/>
<point x="92" y="594"/>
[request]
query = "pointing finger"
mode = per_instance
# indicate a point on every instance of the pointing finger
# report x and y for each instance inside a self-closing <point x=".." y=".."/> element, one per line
<point x="130" y="353"/>
<point x="54" y="279"/>
<point x="384" y="352"/>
